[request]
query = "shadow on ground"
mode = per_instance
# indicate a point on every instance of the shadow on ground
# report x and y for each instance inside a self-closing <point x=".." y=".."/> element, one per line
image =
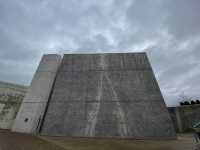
<point x="18" y="141"/>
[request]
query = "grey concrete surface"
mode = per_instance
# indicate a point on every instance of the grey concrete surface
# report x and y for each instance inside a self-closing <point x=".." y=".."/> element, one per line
<point x="173" y="115"/>
<point x="107" y="95"/>
<point x="33" y="107"/>
<point x="11" y="96"/>
<point x="184" y="117"/>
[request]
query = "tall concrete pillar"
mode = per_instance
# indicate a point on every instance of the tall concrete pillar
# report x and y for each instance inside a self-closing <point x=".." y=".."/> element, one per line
<point x="34" y="104"/>
<point x="179" y="120"/>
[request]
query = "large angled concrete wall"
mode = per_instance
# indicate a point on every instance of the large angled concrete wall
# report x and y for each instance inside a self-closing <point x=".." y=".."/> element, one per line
<point x="33" y="107"/>
<point x="107" y="95"/>
<point x="11" y="96"/>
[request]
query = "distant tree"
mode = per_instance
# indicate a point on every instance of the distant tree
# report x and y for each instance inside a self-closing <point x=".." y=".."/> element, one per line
<point x="197" y="101"/>
<point x="192" y="102"/>
<point x="184" y="99"/>
<point x="186" y="103"/>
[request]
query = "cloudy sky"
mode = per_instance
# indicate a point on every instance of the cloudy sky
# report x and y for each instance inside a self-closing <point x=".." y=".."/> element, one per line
<point x="168" y="30"/>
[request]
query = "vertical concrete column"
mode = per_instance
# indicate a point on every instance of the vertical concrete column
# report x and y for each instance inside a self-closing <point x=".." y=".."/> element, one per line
<point x="34" y="104"/>
<point x="179" y="120"/>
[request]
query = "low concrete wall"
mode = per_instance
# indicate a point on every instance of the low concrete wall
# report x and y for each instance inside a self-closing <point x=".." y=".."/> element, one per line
<point x="33" y="107"/>
<point x="184" y="117"/>
<point x="11" y="96"/>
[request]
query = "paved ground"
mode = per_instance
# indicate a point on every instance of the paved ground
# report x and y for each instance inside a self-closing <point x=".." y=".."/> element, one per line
<point x="17" y="141"/>
<point x="184" y="142"/>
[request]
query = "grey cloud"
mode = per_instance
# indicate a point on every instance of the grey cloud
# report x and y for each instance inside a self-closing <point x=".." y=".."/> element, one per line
<point x="183" y="18"/>
<point x="168" y="30"/>
<point x="177" y="69"/>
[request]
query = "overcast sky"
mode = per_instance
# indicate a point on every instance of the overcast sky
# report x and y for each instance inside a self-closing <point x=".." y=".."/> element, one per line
<point x="168" y="30"/>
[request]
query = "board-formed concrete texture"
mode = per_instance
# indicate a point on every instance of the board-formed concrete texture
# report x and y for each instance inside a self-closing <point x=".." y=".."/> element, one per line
<point x="107" y="95"/>
<point x="33" y="107"/>
<point x="11" y="96"/>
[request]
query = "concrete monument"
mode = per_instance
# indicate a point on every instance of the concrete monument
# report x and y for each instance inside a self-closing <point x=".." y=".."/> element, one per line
<point x="105" y="95"/>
